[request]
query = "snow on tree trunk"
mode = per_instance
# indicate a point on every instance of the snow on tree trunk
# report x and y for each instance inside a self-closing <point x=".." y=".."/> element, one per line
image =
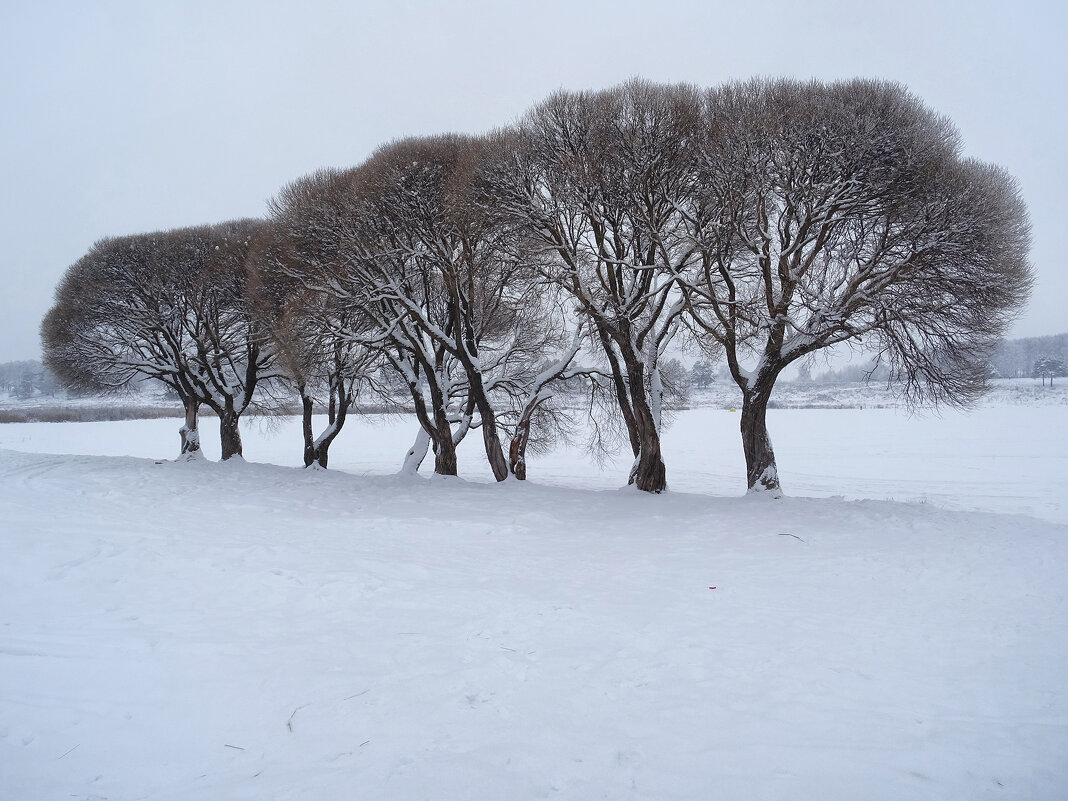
<point x="415" y="455"/>
<point x="517" y="450"/>
<point x="656" y="396"/>
<point x="189" y="432"/>
<point x="337" y="422"/>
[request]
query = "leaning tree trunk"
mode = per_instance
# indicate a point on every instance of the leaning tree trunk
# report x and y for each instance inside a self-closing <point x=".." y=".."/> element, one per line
<point x="435" y="425"/>
<point x="229" y="434"/>
<point x="340" y="402"/>
<point x="468" y="353"/>
<point x="761" y="472"/>
<point x="189" y="432"/>
<point x="649" y="473"/>
<point x="490" y="437"/>
<point x="417" y="453"/>
<point x="322" y="453"/>
<point x="494" y="450"/>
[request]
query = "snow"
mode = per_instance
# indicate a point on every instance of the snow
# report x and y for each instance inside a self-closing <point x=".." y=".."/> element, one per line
<point x="767" y="485"/>
<point x="195" y="630"/>
<point x="874" y="394"/>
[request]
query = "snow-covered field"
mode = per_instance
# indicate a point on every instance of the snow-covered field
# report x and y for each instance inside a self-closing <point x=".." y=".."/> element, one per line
<point x="256" y="631"/>
<point x="875" y="394"/>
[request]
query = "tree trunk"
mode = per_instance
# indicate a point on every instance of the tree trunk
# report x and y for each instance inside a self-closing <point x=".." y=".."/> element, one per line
<point x="649" y="473"/>
<point x="761" y="472"/>
<point x="229" y="434"/>
<point x="517" y="451"/>
<point x="444" y="455"/>
<point x="494" y="451"/>
<point x="622" y="396"/>
<point x="340" y="401"/>
<point x="306" y="427"/>
<point x="189" y="431"/>
<point x="490" y="437"/>
<point x="468" y="353"/>
<point x="435" y="421"/>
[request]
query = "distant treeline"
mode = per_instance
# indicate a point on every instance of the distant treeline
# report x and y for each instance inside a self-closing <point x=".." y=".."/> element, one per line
<point x="1014" y="358"/>
<point x="86" y="414"/>
<point x="29" y="379"/>
<point x="1017" y="358"/>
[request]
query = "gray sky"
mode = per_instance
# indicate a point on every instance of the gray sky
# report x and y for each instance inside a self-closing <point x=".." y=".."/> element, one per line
<point x="117" y="118"/>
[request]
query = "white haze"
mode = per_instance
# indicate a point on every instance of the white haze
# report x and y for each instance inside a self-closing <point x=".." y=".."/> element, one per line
<point x="121" y="117"/>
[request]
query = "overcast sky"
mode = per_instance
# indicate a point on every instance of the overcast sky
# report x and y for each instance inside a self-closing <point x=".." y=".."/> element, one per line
<point x="117" y="118"/>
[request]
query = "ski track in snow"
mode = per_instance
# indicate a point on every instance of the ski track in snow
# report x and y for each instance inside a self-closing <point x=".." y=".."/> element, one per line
<point x="174" y="630"/>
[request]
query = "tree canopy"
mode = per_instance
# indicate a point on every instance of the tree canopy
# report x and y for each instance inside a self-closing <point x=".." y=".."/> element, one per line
<point x="762" y="220"/>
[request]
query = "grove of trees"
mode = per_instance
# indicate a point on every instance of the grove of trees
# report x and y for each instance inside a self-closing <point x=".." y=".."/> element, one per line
<point x="1050" y="367"/>
<point x="1016" y="358"/>
<point x="516" y="282"/>
<point x="174" y="306"/>
<point x="27" y="379"/>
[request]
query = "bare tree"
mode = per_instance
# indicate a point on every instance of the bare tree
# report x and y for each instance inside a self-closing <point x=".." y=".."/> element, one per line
<point x="435" y="222"/>
<point x="120" y="315"/>
<point x="542" y="360"/>
<point x="1049" y="367"/>
<point x="405" y="241"/>
<point x="601" y="180"/>
<point x="345" y="248"/>
<point x="309" y="333"/>
<point x="225" y="355"/>
<point x="845" y="213"/>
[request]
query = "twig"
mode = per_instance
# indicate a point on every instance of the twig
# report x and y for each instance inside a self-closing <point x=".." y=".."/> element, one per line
<point x="357" y="695"/>
<point x="75" y="747"/>
<point x="289" y="723"/>
<point x="236" y="747"/>
<point x="788" y="534"/>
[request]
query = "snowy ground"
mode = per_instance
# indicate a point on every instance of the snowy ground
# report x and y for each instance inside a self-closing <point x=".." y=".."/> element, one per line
<point x="874" y="394"/>
<point x="254" y="631"/>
